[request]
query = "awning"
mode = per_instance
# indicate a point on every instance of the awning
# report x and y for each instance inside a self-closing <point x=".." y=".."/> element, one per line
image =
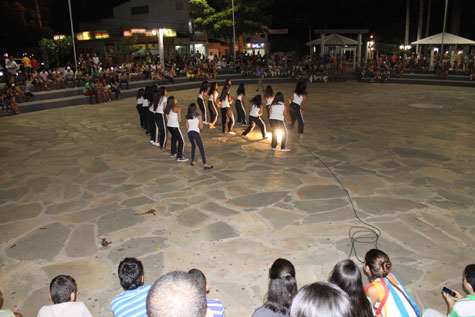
<point x="334" y="40"/>
<point x="448" y="38"/>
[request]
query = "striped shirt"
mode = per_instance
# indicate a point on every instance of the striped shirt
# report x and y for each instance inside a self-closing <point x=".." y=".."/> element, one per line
<point x="132" y="303"/>
<point x="216" y="307"/>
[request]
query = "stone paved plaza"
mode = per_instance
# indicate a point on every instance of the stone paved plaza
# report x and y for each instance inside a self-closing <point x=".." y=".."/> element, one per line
<point x="73" y="176"/>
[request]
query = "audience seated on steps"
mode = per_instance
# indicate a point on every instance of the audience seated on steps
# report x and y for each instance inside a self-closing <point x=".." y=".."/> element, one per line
<point x="133" y="300"/>
<point x="63" y="291"/>
<point x="459" y="306"/>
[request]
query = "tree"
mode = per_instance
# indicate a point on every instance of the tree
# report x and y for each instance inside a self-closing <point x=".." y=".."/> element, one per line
<point x="216" y="17"/>
<point x="125" y="48"/>
<point x="50" y="51"/>
<point x="57" y="52"/>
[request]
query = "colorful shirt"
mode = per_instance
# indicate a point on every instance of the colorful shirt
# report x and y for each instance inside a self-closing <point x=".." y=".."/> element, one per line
<point x="132" y="303"/>
<point x="216" y="307"/>
<point x="464" y="307"/>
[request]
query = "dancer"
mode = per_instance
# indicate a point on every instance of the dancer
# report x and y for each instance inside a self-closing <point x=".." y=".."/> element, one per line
<point x="193" y="125"/>
<point x="203" y="99"/>
<point x="269" y="96"/>
<point x="227" y="116"/>
<point x="212" y="104"/>
<point x="297" y="106"/>
<point x="159" y="103"/>
<point x="255" y="117"/>
<point x="277" y="113"/>
<point x="173" y="116"/>
<point x="139" y="107"/>
<point x="149" y="92"/>
<point x="145" y="106"/>
<point x="240" y="106"/>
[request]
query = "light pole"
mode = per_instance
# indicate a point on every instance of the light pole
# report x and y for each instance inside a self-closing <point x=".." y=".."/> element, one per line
<point x="234" y="32"/>
<point x="72" y="35"/>
<point x="443" y="28"/>
<point x="159" y="34"/>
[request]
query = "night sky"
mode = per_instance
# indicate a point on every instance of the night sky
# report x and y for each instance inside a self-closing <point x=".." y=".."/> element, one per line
<point x="385" y="19"/>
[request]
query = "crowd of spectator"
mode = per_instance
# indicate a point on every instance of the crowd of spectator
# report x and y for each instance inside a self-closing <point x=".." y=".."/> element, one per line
<point x="183" y="294"/>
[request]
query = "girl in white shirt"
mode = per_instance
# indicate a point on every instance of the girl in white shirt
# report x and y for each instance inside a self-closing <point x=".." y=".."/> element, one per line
<point x="193" y="126"/>
<point x="255" y="117"/>
<point x="296" y="108"/>
<point x="269" y="97"/>
<point x="159" y="104"/>
<point x="240" y="106"/>
<point x="173" y="116"/>
<point x="203" y="99"/>
<point x="278" y="111"/>
<point x="213" y="105"/>
<point x="227" y="116"/>
<point x="139" y="107"/>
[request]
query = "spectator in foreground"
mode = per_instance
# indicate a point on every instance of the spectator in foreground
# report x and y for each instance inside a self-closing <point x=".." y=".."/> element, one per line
<point x="214" y="305"/>
<point x="177" y="294"/>
<point x="347" y="276"/>
<point x="457" y="305"/>
<point x="7" y="312"/>
<point x="63" y="290"/>
<point x="282" y="289"/>
<point x="388" y="296"/>
<point x="133" y="300"/>
<point x="321" y="299"/>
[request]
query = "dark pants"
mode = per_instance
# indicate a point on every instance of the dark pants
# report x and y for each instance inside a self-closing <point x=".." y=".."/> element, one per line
<point x="139" y="110"/>
<point x="241" y="113"/>
<point x="253" y="121"/>
<point x="162" y="129"/>
<point x="227" y="119"/>
<point x="296" y="114"/>
<point x="277" y="125"/>
<point x="201" y="104"/>
<point x="151" y="123"/>
<point x="213" y="112"/>
<point x="124" y="81"/>
<point x="156" y="119"/>
<point x="196" y="138"/>
<point x="177" y="137"/>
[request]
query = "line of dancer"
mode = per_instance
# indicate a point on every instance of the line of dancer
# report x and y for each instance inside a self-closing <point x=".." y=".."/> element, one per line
<point x="160" y="116"/>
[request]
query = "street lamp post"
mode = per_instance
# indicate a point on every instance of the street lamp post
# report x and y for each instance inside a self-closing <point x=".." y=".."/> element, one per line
<point x="159" y="34"/>
<point x="72" y="35"/>
<point x="234" y="31"/>
<point x="443" y="28"/>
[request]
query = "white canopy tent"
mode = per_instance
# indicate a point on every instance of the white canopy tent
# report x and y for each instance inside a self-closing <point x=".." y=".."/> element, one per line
<point x="336" y="40"/>
<point x="442" y="39"/>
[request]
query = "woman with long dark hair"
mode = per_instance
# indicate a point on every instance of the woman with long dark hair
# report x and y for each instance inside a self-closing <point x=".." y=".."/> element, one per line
<point x="269" y="97"/>
<point x="193" y="126"/>
<point x="159" y="103"/>
<point x="277" y="113"/>
<point x="213" y="104"/>
<point x="139" y="100"/>
<point x="255" y="117"/>
<point x="388" y="297"/>
<point x="203" y="99"/>
<point x="148" y="101"/>
<point x="282" y="289"/>
<point x="296" y="107"/>
<point x="347" y="276"/>
<point x="173" y="116"/>
<point x="240" y="106"/>
<point x="227" y="116"/>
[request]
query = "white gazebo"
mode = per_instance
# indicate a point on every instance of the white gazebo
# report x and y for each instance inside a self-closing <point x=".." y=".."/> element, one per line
<point x="442" y="39"/>
<point x="336" y="40"/>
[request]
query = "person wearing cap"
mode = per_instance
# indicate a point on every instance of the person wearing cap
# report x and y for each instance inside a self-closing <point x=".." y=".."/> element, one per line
<point x="68" y="74"/>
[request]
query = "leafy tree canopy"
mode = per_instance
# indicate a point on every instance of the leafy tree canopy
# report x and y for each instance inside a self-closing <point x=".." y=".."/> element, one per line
<point x="215" y="16"/>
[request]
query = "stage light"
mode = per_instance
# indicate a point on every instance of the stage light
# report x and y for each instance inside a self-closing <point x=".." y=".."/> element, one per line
<point x="279" y="136"/>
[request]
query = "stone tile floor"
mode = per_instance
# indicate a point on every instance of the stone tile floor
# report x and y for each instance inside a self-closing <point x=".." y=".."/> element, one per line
<point x="73" y="176"/>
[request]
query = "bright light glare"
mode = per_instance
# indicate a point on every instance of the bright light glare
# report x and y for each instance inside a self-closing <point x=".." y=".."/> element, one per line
<point x="279" y="136"/>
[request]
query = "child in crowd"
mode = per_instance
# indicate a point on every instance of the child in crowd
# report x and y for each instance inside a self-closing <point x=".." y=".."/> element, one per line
<point x="255" y="117"/>
<point x="193" y="126"/>
<point x="63" y="291"/>
<point x="459" y="306"/>
<point x="214" y="305"/>
<point x="7" y="312"/>
<point x="133" y="300"/>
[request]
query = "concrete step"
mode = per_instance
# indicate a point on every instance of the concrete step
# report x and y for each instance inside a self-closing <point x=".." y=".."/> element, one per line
<point x="418" y="81"/>
<point x="432" y="76"/>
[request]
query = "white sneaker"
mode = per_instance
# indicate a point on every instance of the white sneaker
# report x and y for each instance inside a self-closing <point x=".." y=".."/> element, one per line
<point x="285" y="150"/>
<point x="273" y="149"/>
<point x="156" y="144"/>
<point x="173" y="155"/>
<point x="152" y="142"/>
<point x="182" y="159"/>
<point x="232" y="132"/>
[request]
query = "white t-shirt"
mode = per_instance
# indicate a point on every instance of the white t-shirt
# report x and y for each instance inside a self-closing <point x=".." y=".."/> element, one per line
<point x="277" y="112"/>
<point x="225" y="102"/>
<point x="239" y="97"/>
<point x="269" y="101"/>
<point x="140" y="101"/>
<point x="173" y="120"/>
<point x="161" y="105"/>
<point x="70" y="309"/>
<point x="200" y="95"/>
<point x="255" y="111"/>
<point x="297" y="99"/>
<point x="194" y="125"/>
